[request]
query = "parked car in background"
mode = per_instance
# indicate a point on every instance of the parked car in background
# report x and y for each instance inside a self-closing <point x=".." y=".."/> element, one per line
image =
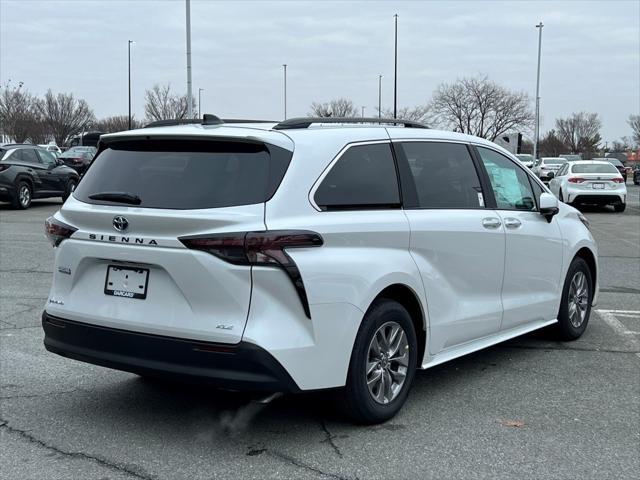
<point x="526" y="159"/>
<point x="86" y="139"/>
<point x="590" y="182"/>
<point x="636" y="174"/>
<point x="293" y="257"/>
<point x="78" y="158"/>
<point x="28" y="172"/>
<point x="616" y="163"/>
<point x="545" y="165"/>
<point x="571" y="157"/>
<point x="52" y="148"/>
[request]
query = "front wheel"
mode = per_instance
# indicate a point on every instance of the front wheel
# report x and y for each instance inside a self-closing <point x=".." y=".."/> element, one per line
<point x="575" y="307"/>
<point x="383" y="363"/>
<point x="71" y="186"/>
<point x="620" y="207"/>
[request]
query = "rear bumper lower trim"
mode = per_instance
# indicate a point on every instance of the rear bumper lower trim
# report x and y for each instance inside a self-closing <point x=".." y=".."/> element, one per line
<point x="243" y="366"/>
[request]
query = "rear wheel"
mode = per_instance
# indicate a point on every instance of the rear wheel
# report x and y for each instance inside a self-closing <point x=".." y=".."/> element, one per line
<point x="575" y="308"/>
<point x="22" y="198"/>
<point x="383" y="363"/>
<point x="620" y="207"/>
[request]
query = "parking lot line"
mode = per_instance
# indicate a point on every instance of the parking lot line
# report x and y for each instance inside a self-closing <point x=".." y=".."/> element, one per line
<point x="609" y="317"/>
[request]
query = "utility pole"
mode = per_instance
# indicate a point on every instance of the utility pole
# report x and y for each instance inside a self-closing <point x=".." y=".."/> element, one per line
<point x="363" y="111"/>
<point x="379" y="96"/>
<point x="189" y="96"/>
<point x="537" y="126"/>
<point x="129" y="48"/>
<point x="284" y="65"/>
<point x="395" y="72"/>
<point x="200" y="90"/>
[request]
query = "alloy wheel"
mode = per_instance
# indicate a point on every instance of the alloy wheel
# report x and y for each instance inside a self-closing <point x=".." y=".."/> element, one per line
<point x="578" y="299"/>
<point x="387" y="362"/>
<point x="24" y="195"/>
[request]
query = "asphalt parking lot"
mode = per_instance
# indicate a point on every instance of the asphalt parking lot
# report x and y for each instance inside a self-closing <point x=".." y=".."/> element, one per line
<point x="529" y="408"/>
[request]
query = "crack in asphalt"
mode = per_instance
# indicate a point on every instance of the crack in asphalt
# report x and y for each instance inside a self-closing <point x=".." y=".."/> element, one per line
<point x="24" y="270"/>
<point x="36" y="395"/>
<point x="80" y="455"/>
<point x="305" y="466"/>
<point x="578" y="349"/>
<point x="329" y="438"/>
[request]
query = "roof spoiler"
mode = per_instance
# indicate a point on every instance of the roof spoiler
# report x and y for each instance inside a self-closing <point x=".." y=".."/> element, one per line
<point x="306" y="122"/>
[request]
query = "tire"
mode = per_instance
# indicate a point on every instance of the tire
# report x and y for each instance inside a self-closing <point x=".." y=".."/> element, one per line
<point x="573" y="320"/>
<point x="71" y="186"/>
<point x="23" y="196"/>
<point x="620" y="207"/>
<point x="381" y="320"/>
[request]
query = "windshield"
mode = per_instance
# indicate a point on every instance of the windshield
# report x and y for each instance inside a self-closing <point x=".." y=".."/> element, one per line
<point x="594" y="168"/>
<point x="184" y="174"/>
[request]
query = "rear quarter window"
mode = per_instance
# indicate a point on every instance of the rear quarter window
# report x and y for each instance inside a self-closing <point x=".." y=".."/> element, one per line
<point x="186" y="174"/>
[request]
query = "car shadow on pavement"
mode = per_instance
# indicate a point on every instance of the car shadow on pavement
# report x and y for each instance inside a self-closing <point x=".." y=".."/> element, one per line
<point x="35" y="204"/>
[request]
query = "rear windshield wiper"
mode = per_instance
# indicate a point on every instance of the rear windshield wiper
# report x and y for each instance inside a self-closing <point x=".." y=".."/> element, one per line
<point x="118" y="197"/>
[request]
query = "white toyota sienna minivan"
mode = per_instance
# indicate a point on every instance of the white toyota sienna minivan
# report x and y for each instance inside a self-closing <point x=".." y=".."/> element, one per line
<point x="309" y="254"/>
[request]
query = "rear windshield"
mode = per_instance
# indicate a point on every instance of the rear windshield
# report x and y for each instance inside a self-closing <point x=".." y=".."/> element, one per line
<point x="186" y="174"/>
<point x="594" y="168"/>
<point x="554" y="161"/>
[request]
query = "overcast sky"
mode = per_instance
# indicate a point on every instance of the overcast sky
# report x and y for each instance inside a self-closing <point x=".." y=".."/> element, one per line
<point x="590" y="52"/>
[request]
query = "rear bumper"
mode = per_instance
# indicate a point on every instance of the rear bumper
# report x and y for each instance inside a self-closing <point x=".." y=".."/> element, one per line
<point x="597" y="199"/>
<point x="243" y="366"/>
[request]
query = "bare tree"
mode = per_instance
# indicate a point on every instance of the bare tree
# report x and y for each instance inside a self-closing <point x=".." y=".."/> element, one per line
<point x="64" y="116"/>
<point x="580" y="132"/>
<point x="338" y="107"/>
<point x="420" y="113"/>
<point x="18" y="115"/>
<point x="480" y="107"/>
<point x="551" y="145"/>
<point x="117" y="123"/>
<point x="161" y="104"/>
<point x="634" y="123"/>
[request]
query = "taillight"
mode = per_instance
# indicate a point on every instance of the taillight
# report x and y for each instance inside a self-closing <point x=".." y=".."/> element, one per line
<point x="57" y="231"/>
<point x="618" y="180"/>
<point x="576" y="180"/>
<point x="260" y="248"/>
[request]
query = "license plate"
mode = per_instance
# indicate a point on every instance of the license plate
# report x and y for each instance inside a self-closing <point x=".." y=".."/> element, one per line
<point x="598" y="186"/>
<point x="127" y="282"/>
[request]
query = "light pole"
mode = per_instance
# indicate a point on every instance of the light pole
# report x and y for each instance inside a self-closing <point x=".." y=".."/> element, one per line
<point x="379" y="96"/>
<point x="363" y="111"/>
<point x="189" y="96"/>
<point x="395" y="72"/>
<point x="284" y="65"/>
<point x="129" y="48"/>
<point x="536" y="135"/>
<point x="199" y="101"/>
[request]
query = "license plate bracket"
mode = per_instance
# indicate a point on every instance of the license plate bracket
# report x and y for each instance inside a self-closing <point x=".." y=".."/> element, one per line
<point x="126" y="282"/>
<point x="598" y="186"/>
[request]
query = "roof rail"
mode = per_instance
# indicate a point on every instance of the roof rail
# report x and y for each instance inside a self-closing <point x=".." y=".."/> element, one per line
<point x="305" y="122"/>
<point x="207" y="119"/>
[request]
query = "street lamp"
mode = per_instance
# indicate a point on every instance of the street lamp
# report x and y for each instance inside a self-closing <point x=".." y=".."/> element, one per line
<point x="284" y="65"/>
<point x="129" y="48"/>
<point x="200" y="90"/>
<point x="189" y="96"/>
<point x="379" y="96"/>
<point x="537" y="126"/>
<point x="395" y="72"/>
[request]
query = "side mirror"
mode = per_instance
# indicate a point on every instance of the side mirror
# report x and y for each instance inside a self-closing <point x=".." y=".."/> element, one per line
<point x="551" y="175"/>
<point x="548" y="206"/>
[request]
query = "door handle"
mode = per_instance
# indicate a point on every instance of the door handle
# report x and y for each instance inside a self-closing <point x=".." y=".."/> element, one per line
<point x="491" y="222"/>
<point x="512" y="222"/>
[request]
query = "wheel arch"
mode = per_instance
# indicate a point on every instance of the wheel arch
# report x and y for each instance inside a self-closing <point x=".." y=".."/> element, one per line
<point x="588" y="256"/>
<point x="407" y="297"/>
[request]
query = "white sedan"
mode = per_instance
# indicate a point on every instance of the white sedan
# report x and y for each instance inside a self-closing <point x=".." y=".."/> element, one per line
<point x="590" y="182"/>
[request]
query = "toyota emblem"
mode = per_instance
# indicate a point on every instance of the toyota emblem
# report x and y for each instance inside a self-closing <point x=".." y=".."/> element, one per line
<point x="120" y="223"/>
